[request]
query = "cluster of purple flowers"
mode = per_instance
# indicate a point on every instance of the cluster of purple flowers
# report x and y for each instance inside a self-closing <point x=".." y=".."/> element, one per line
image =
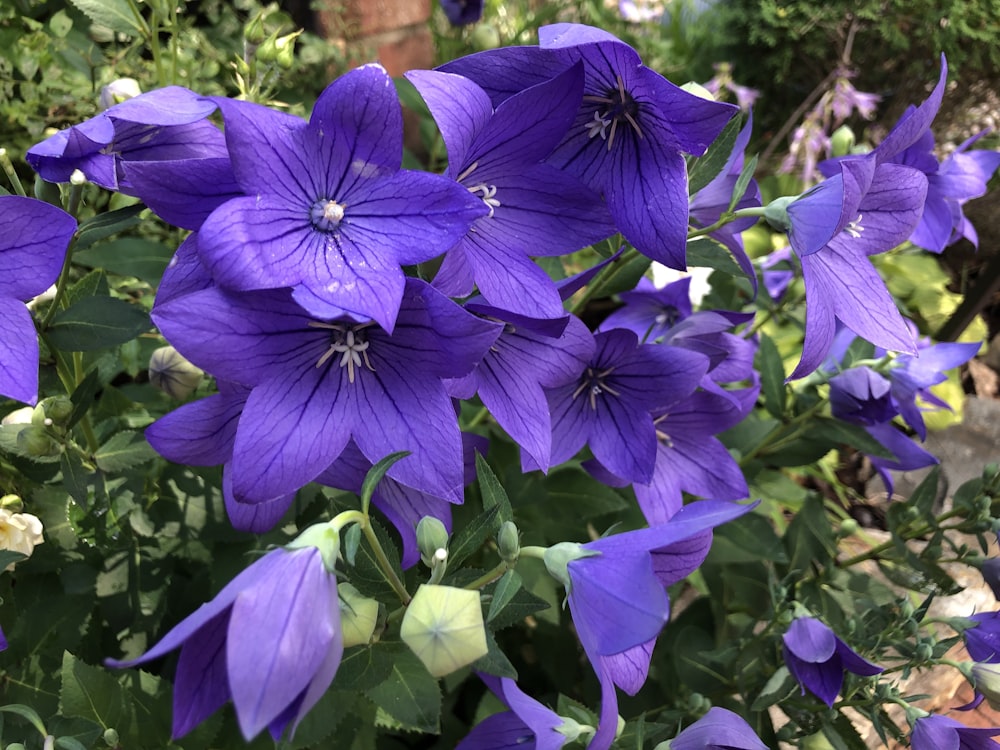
<point x="293" y="292"/>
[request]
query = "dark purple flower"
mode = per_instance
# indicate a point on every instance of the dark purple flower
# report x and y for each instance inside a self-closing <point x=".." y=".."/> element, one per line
<point x="817" y="658"/>
<point x="719" y="729"/>
<point x="616" y="589"/>
<point x="327" y="210"/>
<point x="629" y="135"/>
<point x="3" y="641"/>
<point x="650" y="312"/>
<point x="462" y="12"/>
<point x="163" y="124"/>
<point x="34" y="237"/>
<point x="983" y="641"/>
<point x="936" y="732"/>
<point x="991" y="574"/>
<point x="527" y="725"/>
<point x="183" y="192"/>
<point x="861" y="396"/>
<point x="610" y="405"/>
<point x="270" y="642"/>
<point x="317" y="384"/>
<point x="907" y="454"/>
<point x="534" y="208"/>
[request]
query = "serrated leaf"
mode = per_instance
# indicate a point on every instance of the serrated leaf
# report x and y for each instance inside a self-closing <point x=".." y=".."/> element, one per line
<point x="494" y="495"/>
<point x="706" y="168"/>
<point x="92" y="693"/>
<point x="743" y="181"/>
<point x="410" y="695"/>
<point x="780" y="686"/>
<point x="471" y="537"/>
<point x="76" y="478"/>
<point x="772" y="376"/>
<point x="105" y="224"/>
<point x="707" y="253"/>
<point x="926" y="493"/>
<point x="123" y="451"/>
<point x="97" y="323"/>
<point x="512" y="602"/>
<point x="573" y="492"/>
<point x="366" y="667"/>
<point x="128" y="256"/>
<point x="495" y="662"/>
<point x="366" y="575"/>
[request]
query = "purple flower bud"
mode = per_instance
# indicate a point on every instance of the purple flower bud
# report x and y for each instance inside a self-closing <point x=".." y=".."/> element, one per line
<point x="935" y="732"/>
<point x="817" y="658"/>
<point x="983" y="640"/>
<point x="861" y="396"/>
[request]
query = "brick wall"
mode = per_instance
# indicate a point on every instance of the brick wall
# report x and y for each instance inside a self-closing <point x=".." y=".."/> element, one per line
<point x="392" y="32"/>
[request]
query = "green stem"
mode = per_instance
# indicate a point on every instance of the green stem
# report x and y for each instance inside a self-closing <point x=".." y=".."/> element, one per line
<point x="8" y="167"/>
<point x="606" y="273"/>
<point x="488" y="577"/>
<point x="726" y="218"/>
<point x="878" y="549"/>
<point x="383" y="563"/>
<point x="784" y="433"/>
<point x="478" y="418"/>
<point x="536" y="552"/>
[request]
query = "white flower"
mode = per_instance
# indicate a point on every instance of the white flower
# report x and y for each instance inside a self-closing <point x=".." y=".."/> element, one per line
<point x="19" y="532"/>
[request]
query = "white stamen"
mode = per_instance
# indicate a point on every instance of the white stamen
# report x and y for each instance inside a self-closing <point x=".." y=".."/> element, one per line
<point x="353" y="351"/>
<point x="488" y="191"/>
<point x="854" y="228"/>
<point x="598" y="126"/>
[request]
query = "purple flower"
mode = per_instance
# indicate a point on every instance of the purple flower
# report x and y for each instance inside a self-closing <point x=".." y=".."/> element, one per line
<point x="34" y="237"/>
<point x="908" y="455"/>
<point x="991" y="574"/>
<point x="527" y="725"/>
<point x="817" y="658"/>
<point x="326" y="210"/>
<point x="316" y="384"/>
<point x="270" y="642"/>
<point x="462" y="12"/>
<point x="723" y="79"/>
<point x="616" y="592"/>
<point x="610" y="405"/>
<point x="983" y="640"/>
<point x="936" y="732"/>
<point x="3" y="641"/>
<point x="719" y="729"/>
<point x="164" y="124"/>
<point x="650" y="312"/>
<point x="534" y="208"/>
<point x="861" y="396"/>
<point x="628" y="136"/>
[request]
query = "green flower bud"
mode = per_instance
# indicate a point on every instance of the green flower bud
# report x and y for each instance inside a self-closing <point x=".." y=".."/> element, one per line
<point x="173" y="374"/>
<point x="444" y="627"/>
<point x="848" y="527"/>
<point x="924" y="651"/>
<point x="776" y="213"/>
<point x="323" y="537"/>
<point x="111" y="737"/>
<point x="57" y="409"/>
<point x="698" y="90"/>
<point x="267" y="51"/>
<point x="35" y="441"/>
<point x="842" y="141"/>
<point x="254" y="32"/>
<point x="508" y="542"/>
<point x="431" y="537"/>
<point x="816" y="741"/>
<point x="13" y="503"/>
<point x="15" y="746"/>
<point x="285" y="47"/>
<point x="358" y="616"/>
<point x="986" y="678"/>
<point x="485" y="36"/>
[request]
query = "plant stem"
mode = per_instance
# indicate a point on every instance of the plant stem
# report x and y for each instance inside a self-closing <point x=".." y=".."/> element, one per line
<point x="488" y="577"/>
<point x="383" y="562"/>
<point x="8" y="167"/>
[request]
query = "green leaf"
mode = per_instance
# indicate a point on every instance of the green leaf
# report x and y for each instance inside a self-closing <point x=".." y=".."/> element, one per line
<point x="97" y="323"/>
<point x="366" y="574"/>
<point x="706" y="168"/>
<point x="28" y="714"/>
<point x="780" y="686"/>
<point x="495" y="662"/>
<point x="620" y="275"/>
<point x="841" y="433"/>
<point x="705" y="252"/>
<point x="105" y="224"/>
<point x="747" y="539"/>
<point x="84" y="395"/>
<point x="92" y="693"/>
<point x="573" y="494"/>
<point x="375" y="474"/>
<point x="772" y="376"/>
<point x="128" y="256"/>
<point x="743" y="181"/>
<point x="471" y="537"/>
<point x="494" y="495"/>
<point x="926" y="493"/>
<point x="76" y="478"/>
<point x="8" y="556"/>
<point x="410" y="696"/>
<point x="123" y="451"/>
<point x="366" y="667"/>
<point x="512" y="602"/>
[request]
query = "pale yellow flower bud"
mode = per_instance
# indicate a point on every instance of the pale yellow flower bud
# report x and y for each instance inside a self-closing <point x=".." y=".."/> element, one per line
<point x="19" y="532"/>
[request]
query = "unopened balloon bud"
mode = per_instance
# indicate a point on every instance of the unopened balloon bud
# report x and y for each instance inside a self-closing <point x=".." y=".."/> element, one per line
<point x="19" y="416"/>
<point x="986" y="678"/>
<point x="323" y="537"/>
<point x="485" y="36"/>
<point x="118" y="91"/>
<point x="842" y="141"/>
<point x="443" y="626"/>
<point x="432" y="536"/>
<point x="57" y="409"/>
<point x="508" y="542"/>
<point x="111" y="737"/>
<point x="558" y="557"/>
<point x="358" y="616"/>
<point x="12" y="503"/>
<point x="267" y="50"/>
<point x="173" y="374"/>
<point x="36" y="442"/>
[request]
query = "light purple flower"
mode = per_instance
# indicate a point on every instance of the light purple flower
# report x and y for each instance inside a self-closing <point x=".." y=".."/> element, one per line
<point x="719" y="729"/>
<point x="935" y="732"/>
<point x="983" y="641"/>
<point x="327" y="210"/>
<point x="861" y="396"/>
<point x="163" y="124"/>
<point x="270" y="642"/>
<point x="527" y="725"/>
<point x="817" y="658"/>
<point x="34" y="237"/>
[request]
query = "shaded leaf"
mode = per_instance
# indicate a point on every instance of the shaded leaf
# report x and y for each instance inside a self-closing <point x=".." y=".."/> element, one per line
<point x="123" y="451"/>
<point x="97" y="323"/>
<point x="410" y="695"/>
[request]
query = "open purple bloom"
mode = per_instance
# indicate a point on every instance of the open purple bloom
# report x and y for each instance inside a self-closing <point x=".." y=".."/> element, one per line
<point x="817" y="658"/>
<point x="650" y="312"/>
<point x="616" y="589"/>
<point x="937" y="732"/>
<point x="316" y="384"/>
<point x="534" y="208"/>
<point x="907" y="454"/>
<point x="610" y="405"/>
<point x="183" y="192"/>
<point x="983" y="641"/>
<point x="719" y="729"/>
<point x="527" y="725"/>
<point x="327" y="210"/>
<point x="163" y="124"/>
<point x="628" y="136"/>
<point x="34" y="237"/>
<point x="270" y="642"/>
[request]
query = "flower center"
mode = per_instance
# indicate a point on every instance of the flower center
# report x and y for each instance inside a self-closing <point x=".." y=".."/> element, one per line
<point x="326" y="214"/>
<point x="350" y="342"/>
<point x="593" y="383"/>
<point x="854" y="228"/>
<point x="618" y="106"/>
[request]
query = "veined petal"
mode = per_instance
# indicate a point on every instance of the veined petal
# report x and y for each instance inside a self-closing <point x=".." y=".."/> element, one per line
<point x="624" y="440"/>
<point x="34" y="236"/>
<point x="255" y="518"/>
<point x="200" y="433"/>
<point x="508" y="278"/>
<point x="18" y="352"/>
<point x="913" y="124"/>
<point x="183" y="192"/>
<point x="460" y="108"/>
<point x="506" y="71"/>
<point x="201" y="682"/>
<point x="630" y="668"/>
